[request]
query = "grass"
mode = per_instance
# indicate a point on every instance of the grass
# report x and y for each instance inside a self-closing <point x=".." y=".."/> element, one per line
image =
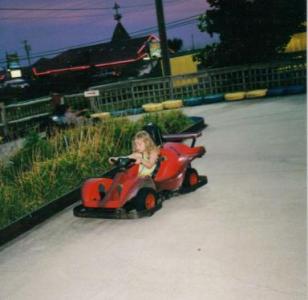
<point x="45" y="169"/>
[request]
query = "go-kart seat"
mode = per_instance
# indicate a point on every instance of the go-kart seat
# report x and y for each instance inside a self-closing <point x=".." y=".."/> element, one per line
<point x="154" y="132"/>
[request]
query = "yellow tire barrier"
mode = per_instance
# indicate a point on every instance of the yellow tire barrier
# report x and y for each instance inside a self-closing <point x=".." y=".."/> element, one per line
<point x="235" y="96"/>
<point x="150" y="107"/>
<point x="256" y="93"/>
<point x="170" y="104"/>
<point x="101" y="116"/>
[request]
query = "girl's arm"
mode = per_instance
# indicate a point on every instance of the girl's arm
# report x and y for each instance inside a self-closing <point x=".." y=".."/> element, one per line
<point x="152" y="160"/>
<point x="137" y="156"/>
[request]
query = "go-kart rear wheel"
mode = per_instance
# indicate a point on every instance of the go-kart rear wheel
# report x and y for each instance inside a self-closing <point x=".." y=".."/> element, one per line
<point x="191" y="178"/>
<point x="146" y="199"/>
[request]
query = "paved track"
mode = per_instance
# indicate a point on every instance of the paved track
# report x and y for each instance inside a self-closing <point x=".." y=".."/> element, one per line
<point x="243" y="236"/>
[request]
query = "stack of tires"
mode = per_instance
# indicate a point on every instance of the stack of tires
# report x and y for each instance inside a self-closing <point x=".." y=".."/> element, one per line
<point x="235" y="96"/>
<point x="135" y="111"/>
<point x="193" y="101"/>
<point x="172" y="104"/>
<point x="241" y="95"/>
<point x="256" y="94"/>
<point x="214" y="98"/>
<point x="100" y="116"/>
<point x="289" y="90"/>
<point x="119" y="113"/>
<point x="152" y="107"/>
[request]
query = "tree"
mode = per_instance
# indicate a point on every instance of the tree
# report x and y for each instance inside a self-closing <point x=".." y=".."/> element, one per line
<point x="175" y="44"/>
<point x="250" y="30"/>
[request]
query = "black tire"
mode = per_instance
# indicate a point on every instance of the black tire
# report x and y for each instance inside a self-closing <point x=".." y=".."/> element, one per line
<point x="191" y="178"/>
<point x="146" y="199"/>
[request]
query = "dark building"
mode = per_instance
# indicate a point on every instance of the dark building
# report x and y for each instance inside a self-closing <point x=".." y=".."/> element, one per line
<point x="120" y="58"/>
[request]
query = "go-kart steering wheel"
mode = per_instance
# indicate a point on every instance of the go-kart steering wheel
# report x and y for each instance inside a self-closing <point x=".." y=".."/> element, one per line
<point x="123" y="162"/>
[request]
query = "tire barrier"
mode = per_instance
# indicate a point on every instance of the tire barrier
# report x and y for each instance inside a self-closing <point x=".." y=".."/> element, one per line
<point x="235" y="96"/>
<point x="278" y="91"/>
<point x="171" y="104"/>
<point x="256" y="93"/>
<point x="213" y="98"/>
<point x="101" y="116"/>
<point x="208" y="99"/>
<point x="295" y="89"/>
<point x="119" y="113"/>
<point x="194" y="101"/>
<point x="151" y="107"/>
<point x="135" y="111"/>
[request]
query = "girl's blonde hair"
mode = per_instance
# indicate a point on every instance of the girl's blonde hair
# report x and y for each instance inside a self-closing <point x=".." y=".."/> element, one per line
<point x="149" y="143"/>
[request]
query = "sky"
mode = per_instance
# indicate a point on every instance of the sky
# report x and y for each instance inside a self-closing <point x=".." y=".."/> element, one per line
<point x="48" y="28"/>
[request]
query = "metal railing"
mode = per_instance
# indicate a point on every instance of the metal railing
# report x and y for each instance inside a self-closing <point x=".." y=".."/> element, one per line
<point x="134" y="93"/>
<point x="20" y="117"/>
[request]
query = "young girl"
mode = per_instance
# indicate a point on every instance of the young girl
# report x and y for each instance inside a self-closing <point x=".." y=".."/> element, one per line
<point x="145" y="152"/>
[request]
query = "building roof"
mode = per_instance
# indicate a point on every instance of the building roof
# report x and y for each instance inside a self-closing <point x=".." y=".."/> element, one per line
<point x="120" y="50"/>
<point x="120" y="33"/>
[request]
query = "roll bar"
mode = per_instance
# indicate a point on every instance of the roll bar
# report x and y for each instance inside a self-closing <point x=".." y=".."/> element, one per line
<point x="179" y="137"/>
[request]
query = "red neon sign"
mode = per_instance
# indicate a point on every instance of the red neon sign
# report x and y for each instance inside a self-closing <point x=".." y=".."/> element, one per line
<point x="53" y="71"/>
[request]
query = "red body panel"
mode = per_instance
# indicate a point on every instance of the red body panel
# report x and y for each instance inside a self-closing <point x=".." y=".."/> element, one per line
<point x="90" y="191"/>
<point x="186" y="151"/>
<point x="123" y="183"/>
<point x="176" y="158"/>
<point x="170" y="166"/>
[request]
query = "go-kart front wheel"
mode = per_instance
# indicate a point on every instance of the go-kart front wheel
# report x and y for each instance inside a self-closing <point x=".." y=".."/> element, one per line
<point x="191" y="178"/>
<point x="146" y="199"/>
<point x="192" y="181"/>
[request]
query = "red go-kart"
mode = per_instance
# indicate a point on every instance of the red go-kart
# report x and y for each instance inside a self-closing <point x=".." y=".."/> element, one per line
<point x="122" y="194"/>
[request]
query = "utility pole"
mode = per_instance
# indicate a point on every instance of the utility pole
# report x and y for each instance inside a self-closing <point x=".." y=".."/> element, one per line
<point x="163" y="37"/>
<point x="27" y="48"/>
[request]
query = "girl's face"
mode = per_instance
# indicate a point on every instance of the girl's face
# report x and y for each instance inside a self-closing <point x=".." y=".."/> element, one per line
<point x="140" y="145"/>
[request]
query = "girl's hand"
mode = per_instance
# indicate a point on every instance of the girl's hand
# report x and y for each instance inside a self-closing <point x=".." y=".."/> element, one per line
<point x="136" y="156"/>
<point x="138" y="161"/>
<point x="112" y="159"/>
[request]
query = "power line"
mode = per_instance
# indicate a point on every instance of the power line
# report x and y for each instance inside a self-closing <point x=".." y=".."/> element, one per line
<point x="138" y="33"/>
<point x="30" y="18"/>
<point x="78" y="9"/>
<point x="72" y="8"/>
<point x="53" y="9"/>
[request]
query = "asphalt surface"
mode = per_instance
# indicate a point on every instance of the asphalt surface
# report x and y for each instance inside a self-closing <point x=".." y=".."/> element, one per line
<point x="243" y="236"/>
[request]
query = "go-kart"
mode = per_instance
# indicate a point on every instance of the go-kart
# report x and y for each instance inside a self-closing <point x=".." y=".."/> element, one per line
<point x="122" y="194"/>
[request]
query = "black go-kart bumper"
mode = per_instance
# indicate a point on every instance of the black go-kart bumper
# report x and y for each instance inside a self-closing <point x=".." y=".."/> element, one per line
<point x="117" y="213"/>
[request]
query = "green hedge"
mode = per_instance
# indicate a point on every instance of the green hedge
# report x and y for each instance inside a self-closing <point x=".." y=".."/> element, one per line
<point x="45" y="169"/>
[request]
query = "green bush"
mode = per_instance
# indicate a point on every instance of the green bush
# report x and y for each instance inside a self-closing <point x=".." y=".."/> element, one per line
<point x="169" y="122"/>
<point x="45" y="169"/>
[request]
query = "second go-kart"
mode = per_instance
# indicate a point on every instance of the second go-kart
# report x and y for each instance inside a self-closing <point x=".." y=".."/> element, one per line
<point x="122" y="194"/>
